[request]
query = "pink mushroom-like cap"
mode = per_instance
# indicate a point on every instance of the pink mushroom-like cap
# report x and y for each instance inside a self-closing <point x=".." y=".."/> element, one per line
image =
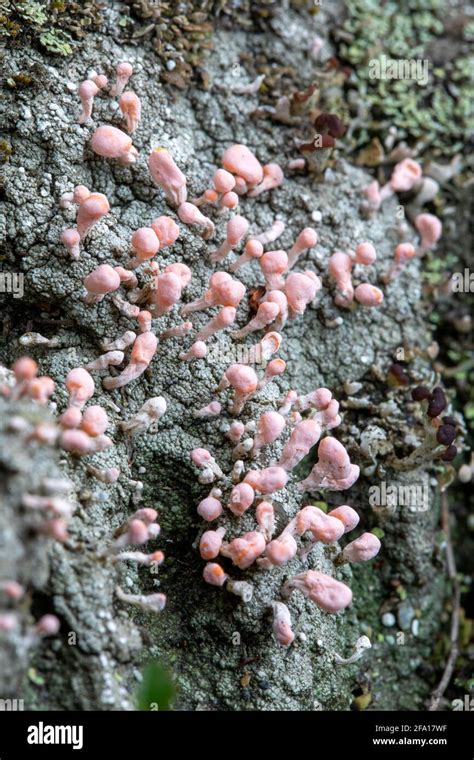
<point x="214" y="574"/>
<point x="282" y="624"/>
<point x="281" y="550"/>
<point x="306" y="239"/>
<point x="91" y="211"/>
<point x="104" y="279"/>
<point x="364" y="548"/>
<point x="272" y="177"/>
<point x="300" y="290"/>
<point x="230" y="200"/>
<point x="80" y="386"/>
<point x="71" y="240"/>
<point x="239" y="160"/>
<point x="166" y="230"/>
<point x="340" y="269"/>
<point x="210" y="543"/>
<point x="347" y="515"/>
<point x="241" y="498"/>
<point x="333" y="469"/>
<point x="71" y="417"/>
<point x="368" y="295"/>
<point x="76" y="441"/>
<point x="123" y="71"/>
<point x="236" y="229"/>
<point x="87" y="92"/>
<point x="273" y="264"/>
<point x="269" y="427"/>
<point x="209" y="508"/>
<point x="145" y="243"/>
<point x="244" y="381"/>
<point x="328" y="593"/>
<point x="365" y="254"/>
<point x="111" y="142"/>
<point x="223" y="181"/>
<point x="197" y="351"/>
<point x="190" y="214"/>
<point x="24" y="368"/>
<point x="405" y="175"/>
<point x="94" y="420"/>
<point x="131" y="108"/>
<point x="267" y="481"/>
<point x="168" y="176"/>
<point x="244" y="551"/>
<point x="430" y="230"/>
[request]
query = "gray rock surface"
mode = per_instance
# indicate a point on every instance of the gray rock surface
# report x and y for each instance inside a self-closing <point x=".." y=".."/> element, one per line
<point x="208" y="636"/>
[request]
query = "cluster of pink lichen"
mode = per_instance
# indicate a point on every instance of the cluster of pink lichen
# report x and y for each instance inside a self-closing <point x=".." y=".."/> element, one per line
<point x="305" y="420"/>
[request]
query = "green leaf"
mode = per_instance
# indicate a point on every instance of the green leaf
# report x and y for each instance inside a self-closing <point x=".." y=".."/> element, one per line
<point x="157" y="690"/>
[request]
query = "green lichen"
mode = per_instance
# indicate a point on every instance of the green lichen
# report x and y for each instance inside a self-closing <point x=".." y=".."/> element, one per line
<point x="56" y="42"/>
<point x="440" y="113"/>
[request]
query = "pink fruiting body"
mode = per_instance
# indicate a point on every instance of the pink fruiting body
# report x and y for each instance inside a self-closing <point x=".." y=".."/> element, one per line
<point x="267" y="312"/>
<point x="282" y="624"/>
<point x="328" y="593"/>
<point x="279" y="298"/>
<point x="109" y="359"/>
<point x="365" y="254"/>
<point x="264" y="349"/>
<point x="340" y="270"/>
<point x="368" y="295"/>
<point x="273" y="369"/>
<point x="272" y="177"/>
<point x="168" y="290"/>
<point x="403" y="253"/>
<point x="334" y="469"/>
<point x="241" y="498"/>
<point x="48" y="625"/>
<point x="236" y="431"/>
<point x="305" y="240"/>
<point x="237" y="228"/>
<point x="91" y="211"/>
<point x="223" y="181"/>
<point x="166" y="230"/>
<point x="100" y="80"/>
<point x="87" y="92"/>
<point x="323" y="527"/>
<point x="281" y="550"/>
<point x="273" y="264"/>
<point x="265" y="516"/>
<point x="131" y="108"/>
<point x="430" y="230"/>
<point x="405" y="176"/>
<point x="229" y="200"/>
<point x="269" y="428"/>
<point x="300" y="290"/>
<point x="110" y="142"/>
<point x="104" y="279"/>
<point x="222" y="291"/>
<point x="243" y="551"/>
<point x="190" y="214"/>
<point x="209" y="509"/>
<point x="363" y="549"/>
<point x="347" y="515"/>
<point x="197" y="351"/>
<point x="123" y="71"/>
<point x="181" y="270"/>
<point x="143" y="352"/>
<point x="253" y="250"/>
<point x="144" y="321"/>
<point x="168" y="176"/>
<point x="80" y="386"/>
<point x="210" y="543"/>
<point x="244" y="381"/>
<point x="239" y="160"/>
<point x="80" y="194"/>
<point x="270" y="235"/>
<point x="76" y="441"/>
<point x="213" y="409"/>
<point x="71" y="240"/>
<point x="267" y="481"/>
<point x="145" y="244"/>
<point x="373" y="199"/>
<point x="94" y="421"/>
<point x="12" y="589"/>
<point x="223" y="319"/>
<point x="214" y="574"/>
<point x="305" y="435"/>
<point x="318" y="399"/>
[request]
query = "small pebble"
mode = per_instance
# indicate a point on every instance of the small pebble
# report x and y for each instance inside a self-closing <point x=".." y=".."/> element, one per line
<point x="388" y="620"/>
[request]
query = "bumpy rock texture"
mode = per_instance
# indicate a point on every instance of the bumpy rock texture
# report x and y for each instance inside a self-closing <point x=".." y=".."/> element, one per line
<point x="208" y="636"/>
